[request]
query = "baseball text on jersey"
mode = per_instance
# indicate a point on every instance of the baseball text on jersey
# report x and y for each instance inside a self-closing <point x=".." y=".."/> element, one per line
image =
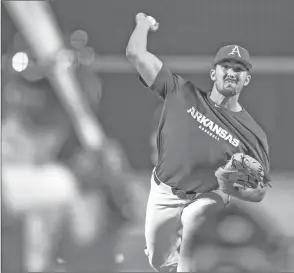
<point x="211" y="128"/>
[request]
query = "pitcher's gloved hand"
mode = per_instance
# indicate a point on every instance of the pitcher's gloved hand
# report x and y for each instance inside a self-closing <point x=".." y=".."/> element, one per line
<point x="242" y="170"/>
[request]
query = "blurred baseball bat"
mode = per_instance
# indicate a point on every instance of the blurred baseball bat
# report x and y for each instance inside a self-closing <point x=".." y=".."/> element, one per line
<point x="36" y="22"/>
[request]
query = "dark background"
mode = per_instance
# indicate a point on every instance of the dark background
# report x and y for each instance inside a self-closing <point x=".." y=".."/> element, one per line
<point x="187" y="27"/>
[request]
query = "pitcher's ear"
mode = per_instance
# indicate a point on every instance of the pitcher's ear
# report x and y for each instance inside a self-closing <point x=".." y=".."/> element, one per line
<point x="212" y="74"/>
<point x="247" y="80"/>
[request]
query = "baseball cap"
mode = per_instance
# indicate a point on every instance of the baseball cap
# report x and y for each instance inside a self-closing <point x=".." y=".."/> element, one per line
<point x="233" y="52"/>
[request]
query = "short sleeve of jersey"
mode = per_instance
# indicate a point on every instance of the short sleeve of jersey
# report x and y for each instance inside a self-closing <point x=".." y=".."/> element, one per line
<point x="164" y="83"/>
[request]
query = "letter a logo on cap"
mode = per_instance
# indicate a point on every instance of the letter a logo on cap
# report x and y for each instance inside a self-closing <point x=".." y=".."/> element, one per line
<point x="235" y="50"/>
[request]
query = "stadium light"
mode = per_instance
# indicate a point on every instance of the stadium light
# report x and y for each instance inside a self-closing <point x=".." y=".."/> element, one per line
<point x="20" y="61"/>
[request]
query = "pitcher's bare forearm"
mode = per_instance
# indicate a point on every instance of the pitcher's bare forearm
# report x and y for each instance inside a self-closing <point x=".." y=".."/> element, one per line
<point x="147" y="64"/>
<point x="138" y="40"/>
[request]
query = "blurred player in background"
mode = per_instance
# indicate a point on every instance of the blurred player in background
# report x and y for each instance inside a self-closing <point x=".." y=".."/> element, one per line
<point x="34" y="184"/>
<point x="36" y="188"/>
<point x="198" y="132"/>
<point x="50" y="181"/>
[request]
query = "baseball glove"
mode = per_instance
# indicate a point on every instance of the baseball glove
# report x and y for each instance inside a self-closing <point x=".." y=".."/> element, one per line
<point x="243" y="170"/>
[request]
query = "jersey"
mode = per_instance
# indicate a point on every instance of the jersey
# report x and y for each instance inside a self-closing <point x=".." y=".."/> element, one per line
<point x="195" y="136"/>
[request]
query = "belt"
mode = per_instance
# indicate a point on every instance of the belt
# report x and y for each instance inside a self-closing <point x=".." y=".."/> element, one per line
<point x="179" y="193"/>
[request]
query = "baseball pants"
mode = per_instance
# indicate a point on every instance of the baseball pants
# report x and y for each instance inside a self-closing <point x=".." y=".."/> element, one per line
<point x="171" y="222"/>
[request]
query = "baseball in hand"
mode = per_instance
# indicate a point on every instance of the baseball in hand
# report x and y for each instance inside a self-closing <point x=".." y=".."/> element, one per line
<point x="153" y="24"/>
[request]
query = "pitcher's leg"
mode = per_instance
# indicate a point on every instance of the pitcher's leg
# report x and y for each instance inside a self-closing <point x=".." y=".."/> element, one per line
<point x="162" y="237"/>
<point x="162" y="227"/>
<point x="193" y="216"/>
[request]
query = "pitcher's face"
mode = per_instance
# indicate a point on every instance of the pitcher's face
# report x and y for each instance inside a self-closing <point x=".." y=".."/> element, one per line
<point x="230" y="77"/>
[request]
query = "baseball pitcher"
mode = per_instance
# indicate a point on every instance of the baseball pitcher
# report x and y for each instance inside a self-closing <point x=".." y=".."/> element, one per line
<point x="209" y="148"/>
